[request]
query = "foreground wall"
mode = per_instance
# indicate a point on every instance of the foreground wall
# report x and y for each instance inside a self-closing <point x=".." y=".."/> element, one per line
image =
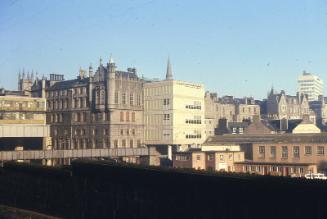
<point x="104" y="190"/>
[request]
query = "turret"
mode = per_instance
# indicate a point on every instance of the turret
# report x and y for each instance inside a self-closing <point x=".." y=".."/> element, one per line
<point x="90" y="71"/>
<point x="111" y="88"/>
<point x="169" y="74"/>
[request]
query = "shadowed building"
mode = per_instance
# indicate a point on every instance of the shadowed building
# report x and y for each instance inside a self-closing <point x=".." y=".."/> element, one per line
<point x="96" y="110"/>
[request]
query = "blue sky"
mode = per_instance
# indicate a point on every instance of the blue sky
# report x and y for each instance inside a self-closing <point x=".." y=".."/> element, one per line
<point x="233" y="47"/>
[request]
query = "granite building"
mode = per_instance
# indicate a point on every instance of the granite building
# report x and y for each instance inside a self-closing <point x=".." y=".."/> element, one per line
<point x="283" y="106"/>
<point x="230" y="108"/>
<point x="101" y="109"/>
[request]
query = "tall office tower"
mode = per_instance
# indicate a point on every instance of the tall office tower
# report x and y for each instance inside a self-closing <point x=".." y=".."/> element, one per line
<point x="311" y="85"/>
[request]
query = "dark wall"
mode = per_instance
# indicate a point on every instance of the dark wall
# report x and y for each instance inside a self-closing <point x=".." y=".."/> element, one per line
<point x="9" y="144"/>
<point x="105" y="190"/>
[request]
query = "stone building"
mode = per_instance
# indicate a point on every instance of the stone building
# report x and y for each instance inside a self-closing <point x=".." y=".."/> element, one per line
<point x="103" y="109"/>
<point x="25" y="82"/>
<point x="212" y="158"/>
<point x="283" y="106"/>
<point x="230" y="108"/>
<point x="320" y="109"/>
<point x="268" y="152"/>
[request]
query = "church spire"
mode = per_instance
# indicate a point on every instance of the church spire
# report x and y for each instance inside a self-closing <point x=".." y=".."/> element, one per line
<point x="111" y="61"/>
<point x="169" y="74"/>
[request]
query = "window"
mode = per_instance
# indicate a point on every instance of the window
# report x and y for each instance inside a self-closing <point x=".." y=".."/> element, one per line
<point x="122" y="116"/>
<point x="138" y="100"/>
<point x="123" y="143"/>
<point x="296" y="152"/>
<point x="131" y="99"/>
<point x="127" y="116"/>
<point x="166" y="102"/>
<point x="210" y="157"/>
<point x="273" y="151"/>
<point x="115" y="143"/>
<point x="124" y="98"/>
<point x="320" y="150"/>
<point x="116" y="97"/>
<point x="261" y="151"/>
<point x="131" y="143"/>
<point x="133" y="116"/>
<point x="308" y="150"/>
<point x="166" y="116"/>
<point x="221" y="157"/>
<point x="284" y="152"/>
<point x="198" y="157"/>
<point x="133" y="131"/>
<point x="138" y="143"/>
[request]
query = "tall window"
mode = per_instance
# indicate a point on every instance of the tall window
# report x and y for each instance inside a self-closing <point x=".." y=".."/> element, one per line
<point x="124" y="143"/>
<point x="261" y="151"/>
<point x="124" y="98"/>
<point x="138" y="100"/>
<point x="131" y="99"/>
<point x="284" y="152"/>
<point x="131" y="143"/>
<point x="320" y="150"/>
<point x="115" y="143"/>
<point x="296" y="152"/>
<point x="273" y="151"/>
<point x="127" y="116"/>
<point x="116" y="97"/>
<point x="122" y="116"/>
<point x="133" y="116"/>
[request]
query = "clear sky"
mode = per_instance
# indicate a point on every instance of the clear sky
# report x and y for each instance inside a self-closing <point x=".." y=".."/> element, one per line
<point x="233" y="47"/>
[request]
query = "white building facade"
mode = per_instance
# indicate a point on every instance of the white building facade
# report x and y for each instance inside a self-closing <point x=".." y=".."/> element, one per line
<point x="174" y="112"/>
<point x="311" y="85"/>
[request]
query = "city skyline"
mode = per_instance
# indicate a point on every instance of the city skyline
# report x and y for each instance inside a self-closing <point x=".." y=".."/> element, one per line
<point x="225" y="46"/>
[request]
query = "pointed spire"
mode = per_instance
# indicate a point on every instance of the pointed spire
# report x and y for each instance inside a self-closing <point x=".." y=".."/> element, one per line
<point x="90" y="70"/>
<point x="19" y="75"/>
<point x="111" y="61"/>
<point x="23" y="76"/>
<point x="100" y="60"/>
<point x="32" y="75"/>
<point x="169" y="74"/>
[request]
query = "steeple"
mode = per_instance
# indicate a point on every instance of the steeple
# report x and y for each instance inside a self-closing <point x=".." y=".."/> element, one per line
<point x="90" y="71"/>
<point x="169" y="74"/>
<point x="100" y="61"/>
<point x="111" y="61"/>
<point x="111" y="65"/>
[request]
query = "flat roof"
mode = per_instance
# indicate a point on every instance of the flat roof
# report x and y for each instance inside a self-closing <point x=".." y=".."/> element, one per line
<point x="267" y="138"/>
